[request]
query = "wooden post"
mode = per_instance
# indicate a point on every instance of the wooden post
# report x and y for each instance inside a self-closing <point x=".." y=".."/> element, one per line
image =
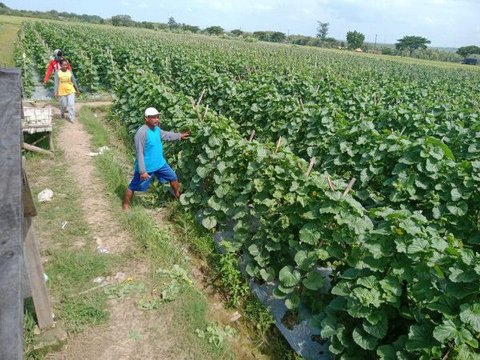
<point x="33" y="264"/>
<point x="330" y="184"/>
<point x="349" y="186"/>
<point x="310" y="165"/>
<point x="205" y="113"/>
<point x="252" y="135"/>
<point x="200" y="97"/>
<point x="279" y="142"/>
<point x="37" y="149"/>
<point x="301" y="104"/>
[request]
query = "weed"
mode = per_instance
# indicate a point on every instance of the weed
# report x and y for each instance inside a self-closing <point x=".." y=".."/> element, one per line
<point x="216" y="334"/>
<point x="122" y="290"/>
<point x="231" y="279"/>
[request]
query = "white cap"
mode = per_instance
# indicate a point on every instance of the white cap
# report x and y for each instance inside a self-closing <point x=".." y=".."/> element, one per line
<point x="151" y="111"/>
<point x="57" y="51"/>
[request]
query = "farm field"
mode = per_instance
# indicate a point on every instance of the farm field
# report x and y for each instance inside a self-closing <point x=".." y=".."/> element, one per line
<point x="402" y="244"/>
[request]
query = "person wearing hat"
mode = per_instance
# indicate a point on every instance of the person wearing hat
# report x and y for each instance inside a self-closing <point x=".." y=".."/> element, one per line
<point x="54" y="65"/>
<point x="149" y="158"/>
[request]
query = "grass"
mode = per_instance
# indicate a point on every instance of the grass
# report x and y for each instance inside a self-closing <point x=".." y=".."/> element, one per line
<point x="8" y="35"/>
<point x="162" y="247"/>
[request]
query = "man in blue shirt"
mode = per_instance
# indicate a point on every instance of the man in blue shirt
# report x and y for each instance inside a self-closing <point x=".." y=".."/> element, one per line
<point x="149" y="159"/>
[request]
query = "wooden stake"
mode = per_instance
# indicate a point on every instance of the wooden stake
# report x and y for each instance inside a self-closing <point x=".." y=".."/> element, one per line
<point x="37" y="149"/>
<point x="252" y="135"/>
<point x="330" y="184"/>
<point x="279" y="142"/>
<point x="200" y="97"/>
<point x="310" y="165"/>
<point x="33" y="264"/>
<point x="38" y="140"/>
<point x="205" y="113"/>
<point x="349" y="187"/>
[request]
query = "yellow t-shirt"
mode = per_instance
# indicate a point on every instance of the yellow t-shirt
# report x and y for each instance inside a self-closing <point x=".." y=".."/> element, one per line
<point x="65" y="84"/>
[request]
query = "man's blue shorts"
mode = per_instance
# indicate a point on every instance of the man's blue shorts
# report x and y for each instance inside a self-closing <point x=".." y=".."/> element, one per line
<point x="163" y="175"/>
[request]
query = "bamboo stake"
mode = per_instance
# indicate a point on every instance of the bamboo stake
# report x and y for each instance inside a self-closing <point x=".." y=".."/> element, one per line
<point x="200" y="97"/>
<point x="205" y="113"/>
<point x="301" y="104"/>
<point x="252" y="135"/>
<point x="330" y="184"/>
<point x="279" y="142"/>
<point x="310" y="165"/>
<point x="37" y="149"/>
<point x="349" y="187"/>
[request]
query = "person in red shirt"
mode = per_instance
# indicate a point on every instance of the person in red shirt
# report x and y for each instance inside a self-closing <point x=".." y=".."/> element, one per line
<point x="54" y="65"/>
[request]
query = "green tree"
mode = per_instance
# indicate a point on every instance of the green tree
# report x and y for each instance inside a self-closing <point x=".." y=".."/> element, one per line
<point x="236" y="32"/>
<point x="355" y="39"/>
<point x="277" y="36"/>
<point x="214" y="30"/>
<point x="411" y="43"/>
<point x="171" y="22"/>
<point x="122" y="20"/>
<point x="262" y="35"/>
<point x="322" y="30"/>
<point x="191" y="28"/>
<point x="468" y="50"/>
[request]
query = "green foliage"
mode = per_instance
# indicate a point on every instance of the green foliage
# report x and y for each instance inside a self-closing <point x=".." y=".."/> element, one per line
<point x="322" y="30"/>
<point x="412" y="43"/>
<point x="355" y="39"/>
<point x="468" y="50"/>
<point x="403" y="250"/>
<point x="216" y="334"/>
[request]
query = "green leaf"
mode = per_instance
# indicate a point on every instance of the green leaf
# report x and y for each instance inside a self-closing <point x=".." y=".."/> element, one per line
<point x="202" y="171"/>
<point x="309" y="234"/>
<point x="378" y="330"/>
<point x="445" y="331"/>
<point x="460" y="209"/>
<point x="313" y="281"/>
<point x="386" y="352"/>
<point x="420" y="337"/>
<point x="288" y="276"/>
<point x="221" y="167"/>
<point x="209" y="222"/>
<point x="253" y="250"/>
<point x="267" y="274"/>
<point x="293" y="301"/>
<point x="305" y="260"/>
<point x="364" y="340"/>
<point x="455" y="194"/>
<point x="436" y="142"/>
<point x="471" y="315"/>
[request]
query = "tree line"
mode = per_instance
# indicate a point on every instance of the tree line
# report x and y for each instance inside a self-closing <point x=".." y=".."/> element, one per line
<point x="414" y="46"/>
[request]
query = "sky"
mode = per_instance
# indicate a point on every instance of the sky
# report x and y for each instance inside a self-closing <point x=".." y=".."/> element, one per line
<point x="446" y="23"/>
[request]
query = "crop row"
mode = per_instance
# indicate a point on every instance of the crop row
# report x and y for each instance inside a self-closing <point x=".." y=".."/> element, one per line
<point x="405" y="271"/>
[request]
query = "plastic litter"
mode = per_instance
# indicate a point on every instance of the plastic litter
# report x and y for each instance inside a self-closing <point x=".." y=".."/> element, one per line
<point x="45" y="195"/>
<point x="102" y="249"/>
<point x="101" y="150"/>
<point x="64" y="224"/>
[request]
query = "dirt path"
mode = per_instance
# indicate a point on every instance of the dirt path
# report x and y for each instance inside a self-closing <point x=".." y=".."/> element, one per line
<point x="113" y="340"/>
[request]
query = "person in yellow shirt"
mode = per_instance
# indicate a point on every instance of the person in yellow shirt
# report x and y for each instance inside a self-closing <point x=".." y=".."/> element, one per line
<point x="65" y="89"/>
